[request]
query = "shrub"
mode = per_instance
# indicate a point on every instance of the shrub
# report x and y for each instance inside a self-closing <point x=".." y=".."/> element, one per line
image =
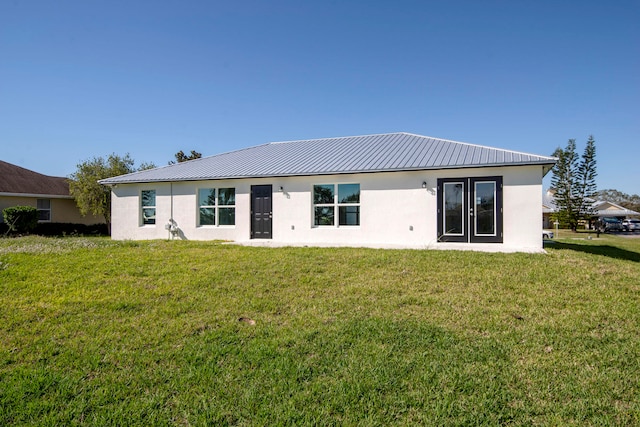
<point x="21" y="219"/>
<point x="67" y="229"/>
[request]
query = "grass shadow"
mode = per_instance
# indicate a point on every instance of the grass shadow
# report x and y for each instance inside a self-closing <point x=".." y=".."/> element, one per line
<point x="602" y="250"/>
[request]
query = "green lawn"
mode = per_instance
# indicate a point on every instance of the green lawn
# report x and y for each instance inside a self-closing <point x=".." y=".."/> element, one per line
<point x="95" y="332"/>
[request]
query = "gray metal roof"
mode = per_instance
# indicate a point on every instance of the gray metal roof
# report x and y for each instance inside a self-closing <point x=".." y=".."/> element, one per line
<point x="344" y="155"/>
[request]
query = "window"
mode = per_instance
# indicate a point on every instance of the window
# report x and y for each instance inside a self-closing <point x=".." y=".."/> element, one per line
<point x="323" y="205"/>
<point x="207" y="202"/>
<point x="343" y="199"/>
<point x="217" y="206"/>
<point x="148" y="207"/>
<point x="44" y="209"/>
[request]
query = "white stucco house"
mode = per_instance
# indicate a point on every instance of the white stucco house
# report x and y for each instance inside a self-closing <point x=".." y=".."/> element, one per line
<point x="389" y="190"/>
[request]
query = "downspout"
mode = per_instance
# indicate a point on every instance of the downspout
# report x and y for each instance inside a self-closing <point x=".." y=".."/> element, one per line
<point x="170" y="226"/>
<point x="171" y="219"/>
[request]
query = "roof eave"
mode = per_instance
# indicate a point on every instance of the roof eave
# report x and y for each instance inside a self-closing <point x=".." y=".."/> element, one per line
<point x="547" y="165"/>
<point x="37" y="195"/>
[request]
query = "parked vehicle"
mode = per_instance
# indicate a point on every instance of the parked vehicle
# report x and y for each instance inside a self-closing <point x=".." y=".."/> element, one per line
<point x="546" y="234"/>
<point x="631" y="224"/>
<point x="610" y="224"/>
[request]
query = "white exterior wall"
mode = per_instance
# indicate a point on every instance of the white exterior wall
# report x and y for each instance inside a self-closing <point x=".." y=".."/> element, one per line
<point x="395" y="211"/>
<point x="523" y="218"/>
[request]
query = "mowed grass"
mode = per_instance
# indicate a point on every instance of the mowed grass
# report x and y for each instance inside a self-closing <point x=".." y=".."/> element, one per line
<point x="95" y="332"/>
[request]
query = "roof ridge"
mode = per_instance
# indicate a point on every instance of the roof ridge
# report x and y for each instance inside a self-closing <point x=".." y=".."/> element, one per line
<point x="334" y="137"/>
<point x="411" y="134"/>
<point x="480" y="145"/>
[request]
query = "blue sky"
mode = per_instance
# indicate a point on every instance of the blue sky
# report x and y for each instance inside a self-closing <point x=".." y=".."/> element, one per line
<point x="80" y="79"/>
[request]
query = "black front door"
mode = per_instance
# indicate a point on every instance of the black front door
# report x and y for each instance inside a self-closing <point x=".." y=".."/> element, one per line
<point x="470" y="209"/>
<point x="261" y="211"/>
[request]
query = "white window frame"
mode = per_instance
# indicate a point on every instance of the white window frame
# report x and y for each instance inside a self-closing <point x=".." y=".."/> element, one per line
<point x="463" y="209"/>
<point x="336" y="205"/>
<point x="495" y="209"/>
<point x="143" y="208"/>
<point x="41" y="209"/>
<point x="217" y="207"/>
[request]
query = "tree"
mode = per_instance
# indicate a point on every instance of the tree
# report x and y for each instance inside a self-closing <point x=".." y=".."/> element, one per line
<point x="92" y="197"/>
<point x="574" y="182"/>
<point x="563" y="183"/>
<point x="181" y="157"/>
<point x="586" y="177"/>
<point x="146" y="165"/>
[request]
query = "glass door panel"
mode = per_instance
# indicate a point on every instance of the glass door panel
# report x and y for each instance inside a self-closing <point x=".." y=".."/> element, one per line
<point x="453" y="222"/>
<point x="486" y="215"/>
<point x="454" y="208"/>
<point x="485" y="208"/>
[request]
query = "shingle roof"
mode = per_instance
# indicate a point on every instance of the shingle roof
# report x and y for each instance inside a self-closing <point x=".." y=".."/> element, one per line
<point x="17" y="180"/>
<point x="344" y="155"/>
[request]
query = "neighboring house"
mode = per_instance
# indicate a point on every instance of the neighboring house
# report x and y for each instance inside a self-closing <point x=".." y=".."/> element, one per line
<point x="598" y="209"/>
<point x="49" y="194"/>
<point x="604" y="208"/>
<point x="389" y="190"/>
<point x="548" y="208"/>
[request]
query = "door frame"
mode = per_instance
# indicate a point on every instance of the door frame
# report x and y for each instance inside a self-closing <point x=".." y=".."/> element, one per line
<point x="469" y="203"/>
<point x="256" y="216"/>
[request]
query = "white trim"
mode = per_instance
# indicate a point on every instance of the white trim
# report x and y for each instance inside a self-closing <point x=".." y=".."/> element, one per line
<point x="142" y="208"/>
<point x="38" y="196"/>
<point x="49" y="210"/>
<point x="464" y="208"/>
<point x="495" y="209"/>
